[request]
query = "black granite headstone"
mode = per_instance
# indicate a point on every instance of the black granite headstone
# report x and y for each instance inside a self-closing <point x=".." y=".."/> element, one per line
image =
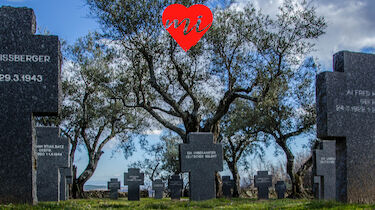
<point x="263" y="181"/>
<point x="133" y="179"/>
<point x="228" y="185"/>
<point x="29" y="86"/>
<point x="113" y="186"/>
<point x="201" y="158"/>
<point x="66" y="179"/>
<point x="158" y="187"/>
<point x="175" y="184"/>
<point x="280" y="189"/>
<point x="324" y="170"/>
<point x="346" y="113"/>
<point x="53" y="154"/>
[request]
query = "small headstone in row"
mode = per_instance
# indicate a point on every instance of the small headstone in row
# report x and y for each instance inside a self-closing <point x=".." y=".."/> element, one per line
<point x="228" y="185"/>
<point x="133" y="179"/>
<point x="113" y="187"/>
<point x="175" y="185"/>
<point x="280" y="189"/>
<point x="263" y="181"/>
<point x="158" y="187"/>
<point x="66" y="179"/>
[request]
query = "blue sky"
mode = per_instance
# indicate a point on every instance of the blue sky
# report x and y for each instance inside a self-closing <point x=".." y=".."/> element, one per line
<point x="351" y="26"/>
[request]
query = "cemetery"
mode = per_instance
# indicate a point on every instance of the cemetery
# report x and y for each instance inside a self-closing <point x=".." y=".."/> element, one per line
<point x="144" y="114"/>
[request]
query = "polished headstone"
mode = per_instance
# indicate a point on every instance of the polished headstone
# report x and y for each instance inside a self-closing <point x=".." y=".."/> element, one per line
<point x="263" y="181"/>
<point x="53" y="154"/>
<point x="66" y="180"/>
<point x="29" y="86"/>
<point x="228" y="185"/>
<point x="175" y="184"/>
<point x="133" y="179"/>
<point x="201" y="158"/>
<point x="158" y="187"/>
<point x="346" y="113"/>
<point x="280" y="189"/>
<point x="113" y="187"/>
<point x="324" y="170"/>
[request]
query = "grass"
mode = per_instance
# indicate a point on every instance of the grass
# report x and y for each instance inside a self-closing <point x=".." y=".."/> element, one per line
<point x="166" y="203"/>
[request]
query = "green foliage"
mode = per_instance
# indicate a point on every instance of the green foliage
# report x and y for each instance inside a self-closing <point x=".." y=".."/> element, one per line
<point x="166" y="203"/>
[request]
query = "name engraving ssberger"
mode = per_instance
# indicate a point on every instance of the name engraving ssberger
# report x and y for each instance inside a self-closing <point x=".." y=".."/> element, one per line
<point x="46" y="150"/>
<point x="25" y="58"/>
<point x="327" y="160"/>
<point x="134" y="179"/>
<point x="201" y="155"/>
<point x="263" y="180"/>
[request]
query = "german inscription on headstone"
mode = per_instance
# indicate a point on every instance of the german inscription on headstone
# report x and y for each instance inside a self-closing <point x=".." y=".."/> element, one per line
<point x="66" y="179"/>
<point x="228" y="185"/>
<point x="201" y="158"/>
<point x="158" y="187"/>
<point x="175" y="185"/>
<point x="280" y="189"/>
<point x="113" y="186"/>
<point x="133" y="179"/>
<point x="346" y="113"/>
<point x="53" y="153"/>
<point x="29" y="86"/>
<point x="324" y="170"/>
<point x="263" y="181"/>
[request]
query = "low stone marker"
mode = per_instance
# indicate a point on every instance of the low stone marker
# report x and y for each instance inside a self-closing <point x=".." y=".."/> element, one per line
<point x="201" y="158"/>
<point x="280" y="189"/>
<point x="113" y="187"/>
<point x="29" y="86"/>
<point x="133" y="179"/>
<point x="53" y="154"/>
<point x="324" y="170"/>
<point x="228" y="185"/>
<point x="175" y="184"/>
<point x="158" y="187"/>
<point x="263" y="181"/>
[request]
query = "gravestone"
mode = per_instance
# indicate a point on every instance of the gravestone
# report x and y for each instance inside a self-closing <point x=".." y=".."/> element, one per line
<point x="324" y="170"/>
<point x="280" y="189"/>
<point x="263" y="181"/>
<point x="158" y="187"/>
<point x="53" y="154"/>
<point x="113" y="186"/>
<point x="29" y="86"/>
<point x="66" y="179"/>
<point x="228" y="185"/>
<point x="201" y="158"/>
<point x="133" y="179"/>
<point x="346" y="113"/>
<point x="175" y="185"/>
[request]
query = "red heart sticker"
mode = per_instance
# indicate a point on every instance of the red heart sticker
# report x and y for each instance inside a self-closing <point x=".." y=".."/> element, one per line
<point x="187" y="25"/>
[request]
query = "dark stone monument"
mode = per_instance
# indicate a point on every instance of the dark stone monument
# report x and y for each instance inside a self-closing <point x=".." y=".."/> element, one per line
<point x="113" y="186"/>
<point x="201" y="158"/>
<point x="263" y="181"/>
<point x="346" y="113"/>
<point x="175" y="185"/>
<point x="158" y="186"/>
<point x="29" y="86"/>
<point x="53" y="154"/>
<point x="133" y="179"/>
<point x="280" y="189"/>
<point x="66" y="179"/>
<point x="324" y="170"/>
<point x="228" y="185"/>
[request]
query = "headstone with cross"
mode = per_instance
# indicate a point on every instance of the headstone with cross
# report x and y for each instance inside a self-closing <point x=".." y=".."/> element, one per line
<point x="201" y="158"/>
<point x="263" y="181"/>
<point x="133" y="179"/>
<point x="346" y="113"/>
<point x="228" y="185"/>
<point x="29" y="86"/>
<point x="158" y="187"/>
<point x="175" y="184"/>
<point x="280" y="189"/>
<point x="113" y="187"/>
<point x="324" y="170"/>
<point x="53" y="154"/>
<point x="66" y="179"/>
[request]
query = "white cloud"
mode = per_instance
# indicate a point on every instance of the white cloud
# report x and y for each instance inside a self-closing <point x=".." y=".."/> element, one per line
<point x="153" y="132"/>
